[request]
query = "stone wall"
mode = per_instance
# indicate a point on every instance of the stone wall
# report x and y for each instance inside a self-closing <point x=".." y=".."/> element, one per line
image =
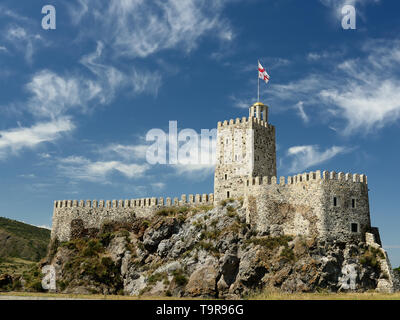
<point x="245" y="147"/>
<point x="93" y="213"/>
<point x="305" y="205"/>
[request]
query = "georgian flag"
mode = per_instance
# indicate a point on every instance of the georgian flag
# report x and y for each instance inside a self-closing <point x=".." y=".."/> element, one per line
<point x="262" y="73"/>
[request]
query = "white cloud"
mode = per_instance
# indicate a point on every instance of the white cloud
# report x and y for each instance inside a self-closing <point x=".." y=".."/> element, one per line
<point x="158" y="185"/>
<point x="364" y="91"/>
<point x="80" y="168"/>
<point x="140" y="28"/>
<point x="23" y="40"/>
<point x="111" y="79"/>
<point x="301" y="112"/>
<point x="127" y="152"/>
<point x="53" y="95"/>
<point x="27" y="176"/>
<point x="303" y="157"/>
<point x="4" y="49"/>
<point x="12" y="141"/>
<point x="337" y="5"/>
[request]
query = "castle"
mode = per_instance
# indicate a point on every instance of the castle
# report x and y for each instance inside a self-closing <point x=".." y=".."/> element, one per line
<point x="325" y="205"/>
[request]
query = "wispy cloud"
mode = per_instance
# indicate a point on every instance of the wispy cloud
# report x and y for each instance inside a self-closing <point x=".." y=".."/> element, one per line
<point x="12" y="141"/>
<point x="301" y="112"/>
<point x="81" y="168"/>
<point x="364" y="91"/>
<point x="111" y="79"/>
<point x="23" y="40"/>
<point x="141" y="28"/>
<point x="304" y="157"/>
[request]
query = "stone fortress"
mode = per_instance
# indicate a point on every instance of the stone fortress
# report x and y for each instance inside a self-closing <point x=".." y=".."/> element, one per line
<point x="325" y="205"/>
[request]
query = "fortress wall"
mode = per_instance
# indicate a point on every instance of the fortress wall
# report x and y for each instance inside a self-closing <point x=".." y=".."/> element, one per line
<point x="304" y="204"/>
<point x="94" y="213"/>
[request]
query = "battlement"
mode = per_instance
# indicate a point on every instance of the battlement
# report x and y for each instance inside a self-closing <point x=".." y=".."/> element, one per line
<point x="249" y="121"/>
<point x="308" y="176"/>
<point x="191" y="200"/>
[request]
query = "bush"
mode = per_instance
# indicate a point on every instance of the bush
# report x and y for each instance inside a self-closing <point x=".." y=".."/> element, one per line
<point x="105" y="238"/>
<point x="93" y="248"/>
<point x="156" y="277"/>
<point x="371" y="258"/>
<point x="270" y="242"/>
<point x="179" y="277"/>
<point x="223" y="203"/>
<point x="288" y="254"/>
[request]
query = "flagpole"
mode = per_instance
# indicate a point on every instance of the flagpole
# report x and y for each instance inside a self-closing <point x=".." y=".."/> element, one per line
<point x="258" y="78"/>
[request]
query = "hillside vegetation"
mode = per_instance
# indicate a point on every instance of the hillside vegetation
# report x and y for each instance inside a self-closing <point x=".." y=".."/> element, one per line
<point x="22" y="241"/>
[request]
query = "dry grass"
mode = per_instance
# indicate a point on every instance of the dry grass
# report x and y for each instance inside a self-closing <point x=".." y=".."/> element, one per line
<point x="326" y="296"/>
<point x="88" y="297"/>
<point x="262" y="296"/>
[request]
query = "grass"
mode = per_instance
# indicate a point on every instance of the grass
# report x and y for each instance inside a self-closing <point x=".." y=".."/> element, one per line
<point x="262" y="296"/>
<point x="15" y="265"/>
<point x="326" y="296"/>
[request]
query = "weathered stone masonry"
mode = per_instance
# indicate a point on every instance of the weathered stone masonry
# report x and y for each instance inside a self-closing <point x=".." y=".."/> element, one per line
<point x="93" y="213"/>
<point x="329" y="206"/>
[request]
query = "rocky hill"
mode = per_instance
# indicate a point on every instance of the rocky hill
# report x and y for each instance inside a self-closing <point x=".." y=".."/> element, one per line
<point x="208" y="252"/>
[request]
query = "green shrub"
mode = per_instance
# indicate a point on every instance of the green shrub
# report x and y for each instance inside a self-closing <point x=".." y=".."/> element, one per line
<point x="93" y="248"/>
<point x="156" y="277"/>
<point x="288" y="254"/>
<point x="270" y="242"/>
<point x="105" y="238"/>
<point x="179" y="277"/>
<point x="371" y="258"/>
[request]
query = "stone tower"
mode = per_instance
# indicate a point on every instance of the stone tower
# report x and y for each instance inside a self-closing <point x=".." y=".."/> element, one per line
<point x="245" y="147"/>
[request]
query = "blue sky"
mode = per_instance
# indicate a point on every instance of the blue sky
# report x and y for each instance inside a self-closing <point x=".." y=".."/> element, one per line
<point x="76" y="102"/>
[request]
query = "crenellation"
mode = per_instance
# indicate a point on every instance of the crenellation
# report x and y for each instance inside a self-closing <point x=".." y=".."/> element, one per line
<point x="282" y="181"/>
<point x="81" y="203"/>
<point x="363" y="179"/>
<point x="184" y="198"/>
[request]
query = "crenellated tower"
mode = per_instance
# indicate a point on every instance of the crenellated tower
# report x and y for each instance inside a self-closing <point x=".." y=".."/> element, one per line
<point x="245" y="147"/>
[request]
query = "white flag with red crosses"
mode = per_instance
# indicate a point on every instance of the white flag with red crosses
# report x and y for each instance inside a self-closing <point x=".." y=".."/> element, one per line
<point x="262" y="73"/>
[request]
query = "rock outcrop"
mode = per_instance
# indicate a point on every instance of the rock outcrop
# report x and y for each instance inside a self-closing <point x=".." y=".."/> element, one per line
<point x="212" y="252"/>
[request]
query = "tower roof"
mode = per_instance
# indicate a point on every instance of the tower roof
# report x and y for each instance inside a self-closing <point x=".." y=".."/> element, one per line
<point x="258" y="104"/>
